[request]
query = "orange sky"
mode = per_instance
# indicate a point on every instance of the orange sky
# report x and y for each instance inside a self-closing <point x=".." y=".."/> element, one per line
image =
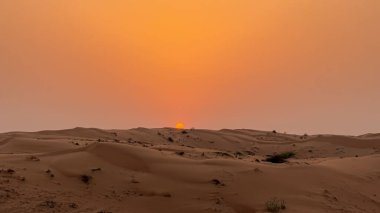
<point x="295" y="66"/>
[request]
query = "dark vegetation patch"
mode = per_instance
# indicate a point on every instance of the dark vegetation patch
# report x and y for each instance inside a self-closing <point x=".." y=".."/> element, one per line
<point x="10" y="171"/>
<point x="166" y="194"/>
<point x="304" y="136"/>
<point x="238" y="154"/>
<point x="224" y="154"/>
<point x="250" y="153"/>
<point x="134" y="181"/>
<point x="73" y="205"/>
<point x="180" y="153"/>
<point x="49" y="204"/>
<point x="86" y="179"/>
<point x="275" y="205"/>
<point x="217" y="182"/>
<point x="280" y="158"/>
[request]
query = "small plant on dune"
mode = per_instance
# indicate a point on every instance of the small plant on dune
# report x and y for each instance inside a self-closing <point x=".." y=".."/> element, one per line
<point x="287" y="154"/>
<point x="86" y="178"/>
<point x="217" y="182"/>
<point x="180" y="153"/>
<point x="304" y="136"/>
<point x="275" y="205"/>
<point x="280" y="158"/>
<point x="10" y="171"/>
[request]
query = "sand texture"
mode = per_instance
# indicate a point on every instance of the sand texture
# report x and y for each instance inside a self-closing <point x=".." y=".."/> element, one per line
<point x="172" y="171"/>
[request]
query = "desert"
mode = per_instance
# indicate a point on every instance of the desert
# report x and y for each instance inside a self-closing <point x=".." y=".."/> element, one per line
<point x="187" y="170"/>
<point x="190" y="106"/>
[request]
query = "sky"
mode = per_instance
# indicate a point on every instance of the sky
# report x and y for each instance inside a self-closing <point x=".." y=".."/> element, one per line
<point x="296" y="66"/>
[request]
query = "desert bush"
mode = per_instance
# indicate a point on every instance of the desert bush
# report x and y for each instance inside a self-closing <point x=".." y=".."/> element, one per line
<point x="275" y="205"/>
<point x="217" y="182"/>
<point x="10" y="171"/>
<point x="180" y="153"/>
<point x="73" y="205"/>
<point x="86" y="178"/>
<point x="280" y="158"/>
<point x="49" y="204"/>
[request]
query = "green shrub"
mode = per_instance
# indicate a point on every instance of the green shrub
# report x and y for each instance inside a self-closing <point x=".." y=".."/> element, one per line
<point x="275" y="205"/>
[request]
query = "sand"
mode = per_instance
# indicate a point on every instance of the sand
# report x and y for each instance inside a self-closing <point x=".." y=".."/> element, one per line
<point x="169" y="170"/>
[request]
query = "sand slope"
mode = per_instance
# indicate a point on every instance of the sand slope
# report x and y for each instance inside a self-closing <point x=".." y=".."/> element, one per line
<point x="168" y="170"/>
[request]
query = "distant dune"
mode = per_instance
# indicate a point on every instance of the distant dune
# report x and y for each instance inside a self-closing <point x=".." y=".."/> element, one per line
<point x="170" y="171"/>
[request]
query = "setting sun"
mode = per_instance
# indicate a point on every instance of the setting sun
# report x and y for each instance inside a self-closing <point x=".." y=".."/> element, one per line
<point x="180" y="126"/>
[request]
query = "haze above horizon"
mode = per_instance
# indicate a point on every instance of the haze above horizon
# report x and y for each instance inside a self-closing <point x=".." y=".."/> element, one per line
<point x="293" y="66"/>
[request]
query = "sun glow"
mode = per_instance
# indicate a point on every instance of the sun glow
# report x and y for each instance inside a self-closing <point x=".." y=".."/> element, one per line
<point x="180" y="126"/>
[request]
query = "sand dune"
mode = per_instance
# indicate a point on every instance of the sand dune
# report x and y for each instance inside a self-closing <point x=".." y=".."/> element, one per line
<point x="169" y="170"/>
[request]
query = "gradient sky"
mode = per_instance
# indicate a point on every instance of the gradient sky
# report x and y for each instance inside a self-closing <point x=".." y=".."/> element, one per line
<point x="291" y="65"/>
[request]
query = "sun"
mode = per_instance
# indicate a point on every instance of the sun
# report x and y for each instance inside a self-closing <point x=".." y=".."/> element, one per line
<point x="180" y="126"/>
